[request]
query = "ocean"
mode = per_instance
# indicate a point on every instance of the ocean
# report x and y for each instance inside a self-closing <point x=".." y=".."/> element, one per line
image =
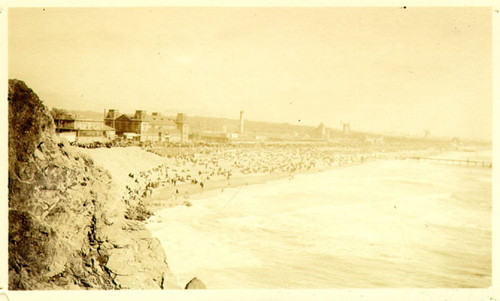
<point x="388" y="224"/>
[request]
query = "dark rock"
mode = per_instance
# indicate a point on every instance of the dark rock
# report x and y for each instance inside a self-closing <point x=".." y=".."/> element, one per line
<point x="195" y="283"/>
<point x="63" y="235"/>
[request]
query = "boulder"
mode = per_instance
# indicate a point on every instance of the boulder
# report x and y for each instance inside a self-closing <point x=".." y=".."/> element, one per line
<point x="195" y="283"/>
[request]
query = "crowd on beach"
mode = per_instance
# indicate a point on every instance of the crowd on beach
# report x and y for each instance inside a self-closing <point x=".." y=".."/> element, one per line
<point x="203" y="164"/>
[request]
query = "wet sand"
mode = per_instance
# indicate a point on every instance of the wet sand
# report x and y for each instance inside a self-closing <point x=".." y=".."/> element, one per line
<point x="171" y="196"/>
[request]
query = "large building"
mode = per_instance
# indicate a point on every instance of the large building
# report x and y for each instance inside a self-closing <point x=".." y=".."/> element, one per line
<point x="126" y="123"/>
<point x="83" y="130"/>
<point x="144" y="127"/>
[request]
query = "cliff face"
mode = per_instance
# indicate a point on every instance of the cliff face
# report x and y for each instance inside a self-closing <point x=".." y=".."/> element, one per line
<point x="66" y="226"/>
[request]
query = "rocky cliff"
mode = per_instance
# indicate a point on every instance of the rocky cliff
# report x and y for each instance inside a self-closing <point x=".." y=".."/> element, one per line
<point x="66" y="222"/>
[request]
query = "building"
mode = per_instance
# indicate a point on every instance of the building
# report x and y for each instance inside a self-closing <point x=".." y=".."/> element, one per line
<point x="144" y="127"/>
<point x="346" y="128"/>
<point x="211" y="137"/>
<point x="320" y="131"/>
<point x="126" y="124"/>
<point x="83" y="130"/>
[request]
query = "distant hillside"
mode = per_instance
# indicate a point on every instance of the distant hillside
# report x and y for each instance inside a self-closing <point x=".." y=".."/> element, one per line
<point x="254" y="128"/>
<point x="88" y="114"/>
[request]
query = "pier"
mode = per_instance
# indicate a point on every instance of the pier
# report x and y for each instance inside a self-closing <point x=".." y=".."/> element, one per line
<point x="477" y="163"/>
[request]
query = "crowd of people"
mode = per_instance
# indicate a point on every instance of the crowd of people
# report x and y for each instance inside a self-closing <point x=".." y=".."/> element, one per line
<point x="203" y="164"/>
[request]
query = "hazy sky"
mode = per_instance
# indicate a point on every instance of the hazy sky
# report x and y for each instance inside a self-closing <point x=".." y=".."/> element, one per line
<point x="382" y="69"/>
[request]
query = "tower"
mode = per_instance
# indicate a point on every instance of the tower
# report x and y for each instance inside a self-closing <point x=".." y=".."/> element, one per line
<point x="346" y="128"/>
<point x="182" y="126"/>
<point x="241" y="122"/>
<point x="140" y="114"/>
<point x="110" y="117"/>
<point x="321" y="131"/>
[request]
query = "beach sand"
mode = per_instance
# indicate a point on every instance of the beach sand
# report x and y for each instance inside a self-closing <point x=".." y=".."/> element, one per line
<point x="166" y="181"/>
<point x="171" y="196"/>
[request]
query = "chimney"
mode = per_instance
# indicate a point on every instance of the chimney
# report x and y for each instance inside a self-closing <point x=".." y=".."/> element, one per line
<point x="241" y="122"/>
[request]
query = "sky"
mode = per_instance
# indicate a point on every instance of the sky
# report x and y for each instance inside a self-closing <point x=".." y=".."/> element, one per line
<point x="388" y="70"/>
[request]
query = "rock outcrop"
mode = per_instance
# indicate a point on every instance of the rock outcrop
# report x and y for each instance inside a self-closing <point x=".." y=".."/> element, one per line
<point x="66" y="223"/>
<point x="194" y="284"/>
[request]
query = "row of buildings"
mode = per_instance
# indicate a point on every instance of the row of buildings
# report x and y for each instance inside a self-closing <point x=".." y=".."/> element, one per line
<point x="139" y="127"/>
<point x="156" y="127"/>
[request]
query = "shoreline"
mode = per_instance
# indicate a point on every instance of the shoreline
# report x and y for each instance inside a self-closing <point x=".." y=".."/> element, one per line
<point x="263" y="221"/>
<point x="167" y="197"/>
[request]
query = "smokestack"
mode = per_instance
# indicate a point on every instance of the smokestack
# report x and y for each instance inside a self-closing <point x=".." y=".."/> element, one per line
<point x="241" y="122"/>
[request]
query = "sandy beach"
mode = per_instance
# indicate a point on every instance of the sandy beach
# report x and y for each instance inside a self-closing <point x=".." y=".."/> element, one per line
<point x="159" y="181"/>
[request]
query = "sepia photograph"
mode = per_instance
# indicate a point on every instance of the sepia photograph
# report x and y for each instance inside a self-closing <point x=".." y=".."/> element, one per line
<point x="249" y="148"/>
